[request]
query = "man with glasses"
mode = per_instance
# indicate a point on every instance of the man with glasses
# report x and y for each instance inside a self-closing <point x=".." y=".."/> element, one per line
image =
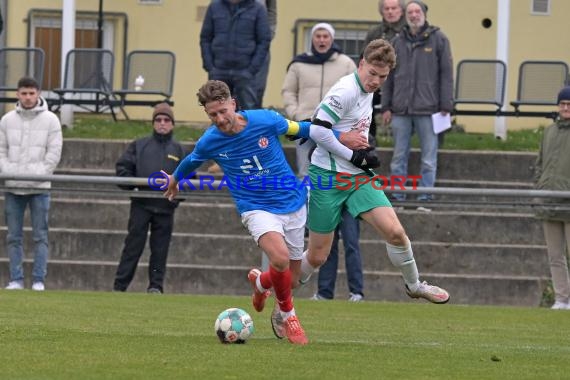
<point x="143" y="158"/>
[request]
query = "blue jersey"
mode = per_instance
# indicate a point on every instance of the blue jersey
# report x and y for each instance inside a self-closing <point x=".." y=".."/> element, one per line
<point x="255" y="169"/>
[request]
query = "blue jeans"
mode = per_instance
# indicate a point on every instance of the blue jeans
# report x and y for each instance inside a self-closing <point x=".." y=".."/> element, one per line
<point x="349" y="229"/>
<point x="242" y="88"/>
<point x="15" y="207"/>
<point x="402" y="128"/>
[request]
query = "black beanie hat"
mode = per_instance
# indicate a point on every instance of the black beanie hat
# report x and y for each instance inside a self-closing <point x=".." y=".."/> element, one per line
<point x="564" y="94"/>
<point x="421" y="4"/>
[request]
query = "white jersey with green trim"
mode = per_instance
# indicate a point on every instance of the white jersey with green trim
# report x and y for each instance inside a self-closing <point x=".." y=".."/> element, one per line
<point x="347" y="107"/>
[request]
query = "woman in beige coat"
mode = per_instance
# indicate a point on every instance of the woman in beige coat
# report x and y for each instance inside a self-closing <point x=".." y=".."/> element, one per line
<point x="309" y="77"/>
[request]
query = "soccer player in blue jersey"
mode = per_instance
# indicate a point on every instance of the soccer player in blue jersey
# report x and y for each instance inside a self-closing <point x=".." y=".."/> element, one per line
<point x="347" y="106"/>
<point x="268" y="196"/>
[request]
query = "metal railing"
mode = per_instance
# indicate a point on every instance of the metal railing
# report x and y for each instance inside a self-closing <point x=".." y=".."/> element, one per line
<point x="201" y="188"/>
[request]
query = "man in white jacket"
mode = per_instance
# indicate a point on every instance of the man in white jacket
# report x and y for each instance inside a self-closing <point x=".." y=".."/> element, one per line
<point x="30" y="143"/>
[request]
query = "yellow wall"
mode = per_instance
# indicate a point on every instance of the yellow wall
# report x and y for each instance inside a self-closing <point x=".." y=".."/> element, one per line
<point x="175" y="25"/>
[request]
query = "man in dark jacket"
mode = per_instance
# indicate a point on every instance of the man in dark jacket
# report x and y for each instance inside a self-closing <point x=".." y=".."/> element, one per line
<point x="143" y="158"/>
<point x="234" y="41"/>
<point x="420" y="86"/>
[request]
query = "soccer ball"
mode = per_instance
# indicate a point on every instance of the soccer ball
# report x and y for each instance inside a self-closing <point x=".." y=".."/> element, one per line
<point x="234" y="326"/>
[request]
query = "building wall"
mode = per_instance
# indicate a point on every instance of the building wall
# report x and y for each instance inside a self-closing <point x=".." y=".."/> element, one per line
<point x="175" y="25"/>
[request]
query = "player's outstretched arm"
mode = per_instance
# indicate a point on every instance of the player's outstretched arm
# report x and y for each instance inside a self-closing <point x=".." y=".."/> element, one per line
<point x="302" y="130"/>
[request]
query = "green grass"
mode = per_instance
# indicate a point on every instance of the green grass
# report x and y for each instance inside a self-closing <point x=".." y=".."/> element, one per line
<point x="106" y="128"/>
<point x="103" y="335"/>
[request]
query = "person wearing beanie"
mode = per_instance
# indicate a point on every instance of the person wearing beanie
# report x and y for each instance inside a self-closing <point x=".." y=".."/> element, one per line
<point x="145" y="157"/>
<point x="163" y="109"/>
<point x="309" y="77"/>
<point x="425" y="63"/>
<point x="552" y="172"/>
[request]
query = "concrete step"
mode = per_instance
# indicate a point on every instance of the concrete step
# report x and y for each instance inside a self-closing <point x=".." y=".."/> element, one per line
<point x="240" y="251"/>
<point x="502" y="167"/>
<point x="381" y="286"/>
<point x="222" y="217"/>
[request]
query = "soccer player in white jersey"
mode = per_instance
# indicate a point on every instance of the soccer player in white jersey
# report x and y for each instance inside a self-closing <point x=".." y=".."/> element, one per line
<point x="268" y="195"/>
<point x="347" y="106"/>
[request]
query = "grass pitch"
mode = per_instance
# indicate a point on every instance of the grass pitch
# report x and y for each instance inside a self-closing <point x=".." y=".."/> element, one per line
<point x="102" y="335"/>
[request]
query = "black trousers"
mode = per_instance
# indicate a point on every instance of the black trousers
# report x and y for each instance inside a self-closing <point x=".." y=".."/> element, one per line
<point x="376" y="100"/>
<point x="161" y="225"/>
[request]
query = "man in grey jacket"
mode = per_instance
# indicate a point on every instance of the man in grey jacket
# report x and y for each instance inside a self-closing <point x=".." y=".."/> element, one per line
<point x="420" y="85"/>
<point x="30" y="143"/>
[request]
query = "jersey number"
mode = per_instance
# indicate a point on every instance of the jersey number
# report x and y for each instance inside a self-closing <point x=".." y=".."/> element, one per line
<point x="248" y="165"/>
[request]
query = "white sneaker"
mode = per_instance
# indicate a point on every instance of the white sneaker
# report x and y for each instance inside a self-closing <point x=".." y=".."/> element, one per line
<point x="355" y="297"/>
<point x="317" y="297"/>
<point x="558" y="305"/>
<point x="15" y="285"/>
<point x="423" y="209"/>
<point x="38" y="286"/>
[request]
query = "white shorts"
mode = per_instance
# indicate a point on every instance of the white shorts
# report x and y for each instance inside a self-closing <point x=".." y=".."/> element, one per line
<point x="291" y="226"/>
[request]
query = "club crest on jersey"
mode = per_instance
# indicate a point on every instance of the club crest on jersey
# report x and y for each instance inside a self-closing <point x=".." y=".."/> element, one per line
<point x="334" y="102"/>
<point x="263" y="142"/>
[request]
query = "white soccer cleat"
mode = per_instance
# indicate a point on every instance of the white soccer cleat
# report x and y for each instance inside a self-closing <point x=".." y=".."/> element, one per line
<point x="429" y="292"/>
<point x="277" y="323"/>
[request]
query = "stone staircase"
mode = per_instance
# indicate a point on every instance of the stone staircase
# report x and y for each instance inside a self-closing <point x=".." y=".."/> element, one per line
<point x="481" y="255"/>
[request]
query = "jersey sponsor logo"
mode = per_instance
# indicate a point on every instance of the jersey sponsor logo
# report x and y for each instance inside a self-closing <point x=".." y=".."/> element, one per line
<point x="334" y="102"/>
<point x="362" y="124"/>
<point x="263" y="142"/>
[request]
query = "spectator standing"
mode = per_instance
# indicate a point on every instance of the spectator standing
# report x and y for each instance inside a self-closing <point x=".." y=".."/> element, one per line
<point x="143" y="158"/>
<point x="30" y="143"/>
<point x="261" y="77"/>
<point x="393" y="20"/>
<point x="234" y="42"/>
<point x="553" y="173"/>
<point x="419" y="86"/>
<point x="309" y="77"/>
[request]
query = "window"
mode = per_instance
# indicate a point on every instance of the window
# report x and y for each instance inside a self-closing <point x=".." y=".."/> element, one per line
<point x="44" y="32"/>
<point x="540" y="7"/>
